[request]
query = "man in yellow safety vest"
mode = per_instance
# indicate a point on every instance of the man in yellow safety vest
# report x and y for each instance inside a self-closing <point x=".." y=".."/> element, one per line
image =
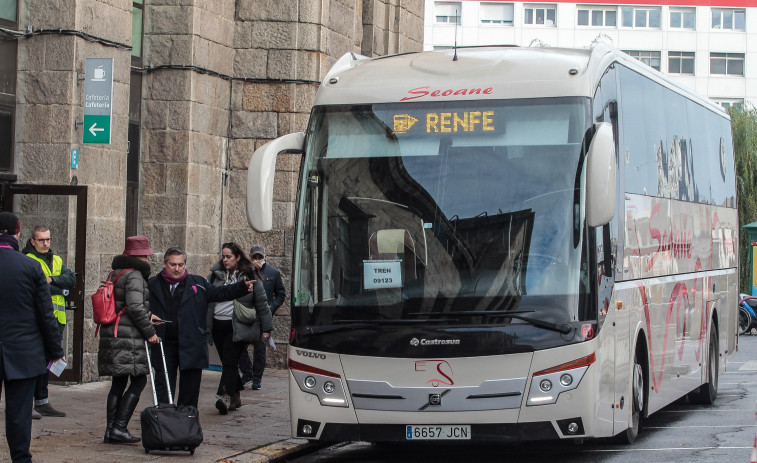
<point x="61" y="280"/>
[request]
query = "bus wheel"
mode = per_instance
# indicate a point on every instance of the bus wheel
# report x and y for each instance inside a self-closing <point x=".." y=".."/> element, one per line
<point x="637" y="402"/>
<point x="708" y="392"/>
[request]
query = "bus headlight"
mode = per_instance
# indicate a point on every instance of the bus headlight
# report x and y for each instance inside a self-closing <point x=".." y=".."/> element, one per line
<point x="547" y="385"/>
<point x="325" y="385"/>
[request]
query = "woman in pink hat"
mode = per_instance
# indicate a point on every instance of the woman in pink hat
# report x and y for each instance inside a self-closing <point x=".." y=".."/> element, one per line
<point x="122" y="355"/>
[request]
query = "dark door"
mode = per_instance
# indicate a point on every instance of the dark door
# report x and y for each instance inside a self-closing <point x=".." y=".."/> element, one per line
<point x="62" y="209"/>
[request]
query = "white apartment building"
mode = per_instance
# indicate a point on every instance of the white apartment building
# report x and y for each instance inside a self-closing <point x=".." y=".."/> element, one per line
<point x="707" y="45"/>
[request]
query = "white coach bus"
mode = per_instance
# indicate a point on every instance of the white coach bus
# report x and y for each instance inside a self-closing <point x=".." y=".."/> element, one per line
<point x="505" y="244"/>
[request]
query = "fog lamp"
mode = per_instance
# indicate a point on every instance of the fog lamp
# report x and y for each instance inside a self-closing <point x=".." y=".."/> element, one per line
<point x="545" y="385"/>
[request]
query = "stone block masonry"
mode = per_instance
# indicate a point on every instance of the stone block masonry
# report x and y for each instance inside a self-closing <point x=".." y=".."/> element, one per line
<point x="219" y="78"/>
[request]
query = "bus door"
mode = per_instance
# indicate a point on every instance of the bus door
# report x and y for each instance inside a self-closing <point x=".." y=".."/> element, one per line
<point x="613" y="319"/>
<point x="62" y="209"/>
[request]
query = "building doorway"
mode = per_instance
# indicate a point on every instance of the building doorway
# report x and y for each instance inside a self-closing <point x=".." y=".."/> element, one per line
<point x="62" y="209"/>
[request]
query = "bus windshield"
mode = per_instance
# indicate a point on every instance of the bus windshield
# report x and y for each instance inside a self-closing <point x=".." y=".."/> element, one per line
<point x="444" y="212"/>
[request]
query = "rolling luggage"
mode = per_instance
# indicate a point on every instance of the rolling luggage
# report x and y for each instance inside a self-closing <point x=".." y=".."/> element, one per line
<point x="167" y="426"/>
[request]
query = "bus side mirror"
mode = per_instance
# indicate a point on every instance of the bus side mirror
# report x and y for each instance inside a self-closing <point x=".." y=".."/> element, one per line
<point x="600" y="177"/>
<point x="260" y="176"/>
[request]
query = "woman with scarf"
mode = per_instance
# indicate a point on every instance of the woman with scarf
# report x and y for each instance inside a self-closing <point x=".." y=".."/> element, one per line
<point x="228" y="333"/>
<point x="122" y="355"/>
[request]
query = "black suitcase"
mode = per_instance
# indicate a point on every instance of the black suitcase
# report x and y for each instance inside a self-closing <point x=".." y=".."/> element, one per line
<point x="166" y="426"/>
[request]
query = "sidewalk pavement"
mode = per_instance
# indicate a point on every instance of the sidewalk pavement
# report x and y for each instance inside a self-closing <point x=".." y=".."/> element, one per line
<point x="258" y="432"/>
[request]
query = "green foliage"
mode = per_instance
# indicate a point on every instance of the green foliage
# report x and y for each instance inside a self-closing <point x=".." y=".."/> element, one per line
<point x="744" y="127"/>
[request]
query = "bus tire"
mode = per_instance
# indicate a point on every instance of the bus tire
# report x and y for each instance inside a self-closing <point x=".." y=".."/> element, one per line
<point x="708" y="392"/>
<point x="637" y="402"/>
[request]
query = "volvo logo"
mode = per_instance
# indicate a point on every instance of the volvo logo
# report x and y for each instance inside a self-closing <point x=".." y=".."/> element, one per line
<point x="434" y="399"/>
<point x="414" y="342"/>
<point x="314" y="355"/>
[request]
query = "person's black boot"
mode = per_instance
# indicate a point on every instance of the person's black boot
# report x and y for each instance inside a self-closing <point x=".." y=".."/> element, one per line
<point x="235" y="401"/>
<point x="119" y="434"/>
<point x="111" y="408"/>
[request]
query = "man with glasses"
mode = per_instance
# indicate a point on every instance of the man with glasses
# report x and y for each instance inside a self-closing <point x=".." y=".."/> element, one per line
<point x="60" y="280"/>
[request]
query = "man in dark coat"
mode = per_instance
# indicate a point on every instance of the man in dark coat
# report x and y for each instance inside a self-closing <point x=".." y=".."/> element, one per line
<point x="181" y="300"/>
<point x="29" y="335"/>
<point x="276" y="294"/>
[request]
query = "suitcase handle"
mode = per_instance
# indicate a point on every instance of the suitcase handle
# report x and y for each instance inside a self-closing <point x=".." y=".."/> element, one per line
<point x="165" y="370"/>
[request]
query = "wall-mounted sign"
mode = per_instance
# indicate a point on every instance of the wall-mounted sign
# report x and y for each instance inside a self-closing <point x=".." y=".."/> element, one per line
<point x="98" y="100"/>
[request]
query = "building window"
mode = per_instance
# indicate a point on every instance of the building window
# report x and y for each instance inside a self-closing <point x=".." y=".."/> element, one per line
<point x="8" y="55"/>
<point x="447" y="12"/>
<point x="597" y="16"/>
<point x="728" y="19"/>
<point x="496" y="13"/>
<point x="731" y="64"/>
<point x="641" y="17"/>
<point x="681" y="62"/>
<point x="683" y="18"/>
<point x="8" y="50"/>
<point x="6" y="139"/>
<point x="8" y="11"/>
<point x="728" y="103"/>
<point x="540" y="14"/>
<point x="650" y="58"/>
<point x="137" y="14"/>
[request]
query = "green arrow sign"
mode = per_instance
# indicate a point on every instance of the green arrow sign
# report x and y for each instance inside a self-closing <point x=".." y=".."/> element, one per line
<point x="96" y="129"/>
<point x="98" y="100"/>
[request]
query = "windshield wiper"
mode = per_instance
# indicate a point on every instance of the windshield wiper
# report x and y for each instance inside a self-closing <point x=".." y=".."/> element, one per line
<point x="563" y="328"/>
<point x="391" y="322"/>
<point x="343" y="325"/>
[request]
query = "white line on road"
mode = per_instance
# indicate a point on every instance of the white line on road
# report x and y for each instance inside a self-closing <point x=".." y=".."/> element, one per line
<point x="729" y="410"/>
<point x="709" y="426"/>
<point x="667" y="449"/>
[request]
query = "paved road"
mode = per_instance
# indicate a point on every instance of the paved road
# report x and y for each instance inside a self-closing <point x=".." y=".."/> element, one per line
<point x="263" y="419"/>
<point x="723" y="432"/>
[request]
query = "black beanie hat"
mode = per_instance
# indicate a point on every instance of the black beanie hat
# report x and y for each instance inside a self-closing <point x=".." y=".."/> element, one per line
<point x="9" y="224"/>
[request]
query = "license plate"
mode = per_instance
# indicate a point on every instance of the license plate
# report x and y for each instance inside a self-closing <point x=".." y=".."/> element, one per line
<point x="438" y="432"/>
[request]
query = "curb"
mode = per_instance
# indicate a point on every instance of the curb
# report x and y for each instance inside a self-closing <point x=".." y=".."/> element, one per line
<point x="272" y="453"/>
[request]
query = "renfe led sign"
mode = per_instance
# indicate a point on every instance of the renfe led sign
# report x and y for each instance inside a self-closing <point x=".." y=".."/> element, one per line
<point x="448" y="122"/>
<point x="98" y="100"/>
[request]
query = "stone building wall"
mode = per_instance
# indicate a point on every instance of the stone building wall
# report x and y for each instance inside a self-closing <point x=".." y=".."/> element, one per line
<point x="185" y="128"/>
<point x="219" y="79"/>
<point x="49" y="113"/>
